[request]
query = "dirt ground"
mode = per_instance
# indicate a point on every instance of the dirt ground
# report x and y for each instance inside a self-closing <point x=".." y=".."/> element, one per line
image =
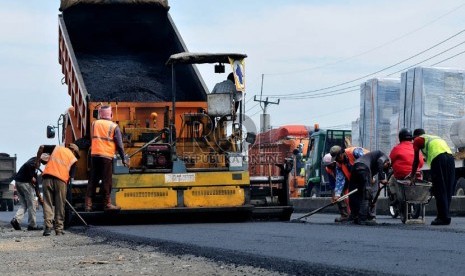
<point x="75" y="253"/>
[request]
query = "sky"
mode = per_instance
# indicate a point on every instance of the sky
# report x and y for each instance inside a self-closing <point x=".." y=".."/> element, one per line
<point x="323" y="50"/>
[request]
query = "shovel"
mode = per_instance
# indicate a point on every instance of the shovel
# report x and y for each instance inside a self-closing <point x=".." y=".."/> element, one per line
<point x="327" y="205"/>
<point x="74" y="210"/>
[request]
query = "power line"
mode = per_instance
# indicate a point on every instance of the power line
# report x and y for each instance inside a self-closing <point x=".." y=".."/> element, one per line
<point x="448" y="58"/>
<point x="326" y="94"/>
<point x="445" y="51"/>
<point x="371" y="74"/>
<point x="341" y="91"/>
<point x="331" y="93"/>
<point x="375" y="48"/>
<point x="255" y="113"/>
<point x="257" y="104"/>
<point x="314" y="95"/>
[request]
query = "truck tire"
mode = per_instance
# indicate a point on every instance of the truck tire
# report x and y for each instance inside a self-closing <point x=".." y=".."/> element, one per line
<point x="10" y="205"/>
<point x="460" y="187"/>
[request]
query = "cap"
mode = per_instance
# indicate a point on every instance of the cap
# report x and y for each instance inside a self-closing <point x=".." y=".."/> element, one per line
<point x="44" y="157"/>
<point x="418" y="132"/>
<point x="334" y="151"/>
<point x="327" y="159"/>
<point x="75" y="149"/>
<point x="105" y="112"/>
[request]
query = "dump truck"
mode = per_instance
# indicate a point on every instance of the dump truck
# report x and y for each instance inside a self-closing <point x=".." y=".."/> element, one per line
<point x="185" y="144"/>
<point x="321" y="140"/>
<point x="271" y="149"/>
<point x="7" y="174"/>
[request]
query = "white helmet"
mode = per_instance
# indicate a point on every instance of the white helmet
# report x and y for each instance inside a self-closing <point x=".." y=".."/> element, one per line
<point x="327" y="159"/>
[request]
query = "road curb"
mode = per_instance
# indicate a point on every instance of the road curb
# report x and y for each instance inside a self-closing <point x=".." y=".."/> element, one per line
<point x="304" y="205"/>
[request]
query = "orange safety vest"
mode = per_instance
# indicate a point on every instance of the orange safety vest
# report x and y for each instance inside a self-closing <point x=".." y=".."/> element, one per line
<point x="60" y="163"/>
<point x="330" y="172"/>
<point x="103" y="132"/>
<point x="350" y="155"/>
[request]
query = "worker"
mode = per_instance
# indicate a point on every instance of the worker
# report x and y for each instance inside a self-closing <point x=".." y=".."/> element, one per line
<point x="106" y="140"/>
<point x="402" y="157"/>
<point x="439" y="157"/>
<point x="299" y="160"/>
<point x="344" y="159"/>
<point x="330" y="168"/>
<point x="56" y="176"/>
<point x="26" y="181"/>
<point x="363" y="173"/>
<point x="228" y="86"/>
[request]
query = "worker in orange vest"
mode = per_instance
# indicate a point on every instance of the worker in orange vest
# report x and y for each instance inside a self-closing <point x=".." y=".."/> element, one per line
<point x="345" y="159"/>
<point x="106" y="140"/>
<point x="330" y="168"/>
<point x="60" y="168"/>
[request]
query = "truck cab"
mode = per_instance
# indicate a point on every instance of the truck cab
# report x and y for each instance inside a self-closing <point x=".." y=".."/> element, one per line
<point x="7" y="173"/>
<point x="321" y="140"/>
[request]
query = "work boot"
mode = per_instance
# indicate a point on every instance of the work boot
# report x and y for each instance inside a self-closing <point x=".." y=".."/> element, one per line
<point x="47" y="232"/>
<point x="34" y="228"/>
<point x="352" y="218"/>
<point x="15" y="224"/>
<point x="88" y="204"/>
<point x="341" y="219"/>
<point x="110" y="207"/>
<point x="343" y="211"/>
<point x="439" y="221"/>
<point x="365" y="221"/>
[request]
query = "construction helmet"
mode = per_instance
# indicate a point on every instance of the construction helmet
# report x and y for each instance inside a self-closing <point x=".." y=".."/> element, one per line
<point x="335" y="151"/>
<point x="327" y="159"/>
<point x="405" y="134"/>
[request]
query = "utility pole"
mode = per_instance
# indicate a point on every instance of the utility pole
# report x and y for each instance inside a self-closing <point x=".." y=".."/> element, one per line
<point x="265" y="117"/>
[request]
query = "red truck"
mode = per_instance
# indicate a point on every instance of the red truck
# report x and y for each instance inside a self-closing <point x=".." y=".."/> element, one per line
<point x="274" y="147"/>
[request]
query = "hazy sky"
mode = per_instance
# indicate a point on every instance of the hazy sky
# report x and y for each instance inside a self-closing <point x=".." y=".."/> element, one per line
<point x="299" y="46"/>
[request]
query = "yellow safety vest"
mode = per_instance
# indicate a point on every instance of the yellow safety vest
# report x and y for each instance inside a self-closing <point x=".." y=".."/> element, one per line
<point x="434" y="146"/>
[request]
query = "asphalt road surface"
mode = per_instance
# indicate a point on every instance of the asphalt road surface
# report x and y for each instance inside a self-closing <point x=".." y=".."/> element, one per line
<point x="318" y="246"/>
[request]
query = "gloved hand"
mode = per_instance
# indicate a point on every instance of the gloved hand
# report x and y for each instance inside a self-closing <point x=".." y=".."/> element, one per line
<point x="126" y="163"/>
<point x="411" y="178"/>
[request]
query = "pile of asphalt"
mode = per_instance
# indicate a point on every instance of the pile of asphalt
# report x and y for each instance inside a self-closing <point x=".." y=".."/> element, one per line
<point x="127" y="78"/>
<point x="122" y="50"/>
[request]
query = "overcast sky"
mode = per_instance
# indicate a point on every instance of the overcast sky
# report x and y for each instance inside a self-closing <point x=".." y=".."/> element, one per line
<point x="299" y="46"/>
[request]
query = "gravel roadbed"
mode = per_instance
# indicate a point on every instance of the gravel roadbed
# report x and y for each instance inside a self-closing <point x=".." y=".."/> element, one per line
<point x="76" y="253"/>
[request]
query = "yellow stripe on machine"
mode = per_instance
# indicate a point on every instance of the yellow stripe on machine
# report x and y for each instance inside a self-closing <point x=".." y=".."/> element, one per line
<point x="214" y="196"/>
<point x="190" y="179"/>
<point x="146" y="198"/>
<point x="157" y="191"/>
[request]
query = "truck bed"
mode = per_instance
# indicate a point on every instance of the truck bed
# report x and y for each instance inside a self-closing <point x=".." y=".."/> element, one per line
<point x="121" y="52"/>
